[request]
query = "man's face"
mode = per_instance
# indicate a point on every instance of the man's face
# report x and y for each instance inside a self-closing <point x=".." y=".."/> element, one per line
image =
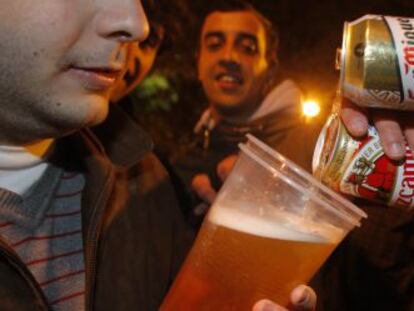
<point x="140" y="60"/>
<point x="59" y="60"/>
<point x="232" y="62"/>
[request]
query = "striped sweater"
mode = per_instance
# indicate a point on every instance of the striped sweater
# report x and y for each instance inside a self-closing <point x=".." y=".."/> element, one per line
<point x="44" y="228"/>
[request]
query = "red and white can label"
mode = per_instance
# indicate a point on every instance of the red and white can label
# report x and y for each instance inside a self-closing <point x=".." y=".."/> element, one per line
<point x="402" y="32"/>
<point x="372" y="175"/>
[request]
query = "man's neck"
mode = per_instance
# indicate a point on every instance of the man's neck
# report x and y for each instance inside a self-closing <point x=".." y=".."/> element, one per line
<point x="236" y="117"/>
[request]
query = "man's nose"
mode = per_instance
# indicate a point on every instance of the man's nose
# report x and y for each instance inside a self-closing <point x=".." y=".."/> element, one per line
<point x="230" y="53"/>
<point x="230" y="65"/>
<point x="122" y="20"/>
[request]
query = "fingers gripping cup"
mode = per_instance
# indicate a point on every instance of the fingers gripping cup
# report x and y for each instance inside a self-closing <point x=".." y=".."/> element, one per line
<point x="270" y="229"/>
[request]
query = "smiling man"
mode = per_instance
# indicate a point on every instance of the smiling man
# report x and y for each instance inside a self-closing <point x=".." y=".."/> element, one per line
<point x="238" y="70"/>
<point x="233" y="66"/>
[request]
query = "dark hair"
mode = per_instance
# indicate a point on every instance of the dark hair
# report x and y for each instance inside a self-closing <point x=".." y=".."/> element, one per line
<point x="272" y="35"/>
<point x="167" y="14"/>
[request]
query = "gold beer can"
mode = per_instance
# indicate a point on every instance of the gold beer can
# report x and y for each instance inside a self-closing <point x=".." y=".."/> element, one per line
<point x="377" y="62"/>
<point x="360" y="168"/>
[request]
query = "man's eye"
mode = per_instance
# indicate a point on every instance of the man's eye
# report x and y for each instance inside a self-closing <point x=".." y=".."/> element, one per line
<point x="213" y="44"/>
<point x="249" y="48"/>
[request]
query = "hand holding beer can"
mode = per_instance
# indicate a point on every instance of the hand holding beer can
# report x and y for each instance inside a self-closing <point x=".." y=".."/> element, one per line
<point x="360" y="167"/>
<point x="269" y="230"/>
<point x="377" y="62"/>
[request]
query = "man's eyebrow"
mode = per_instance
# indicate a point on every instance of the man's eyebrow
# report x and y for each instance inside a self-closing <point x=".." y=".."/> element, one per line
<point x="246" y="35"/>
<point x="213" y="34"/>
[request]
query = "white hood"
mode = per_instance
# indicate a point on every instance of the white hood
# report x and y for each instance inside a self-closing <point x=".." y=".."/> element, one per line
<point x="284" y="95"/>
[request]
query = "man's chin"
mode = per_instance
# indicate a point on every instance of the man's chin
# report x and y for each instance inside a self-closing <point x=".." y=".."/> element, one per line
<point x="229" y="107"/>
<point x="227" y="102"/>
<point x="96" y="110"/>
<point x="85" y="114"/>
<point x="96" y="120"/>
<point x="240" y="111"/>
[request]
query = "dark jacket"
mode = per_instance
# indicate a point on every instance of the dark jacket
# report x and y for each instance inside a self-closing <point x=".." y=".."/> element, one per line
<point x="134" y="236"/>
<point x="285" y="130"/>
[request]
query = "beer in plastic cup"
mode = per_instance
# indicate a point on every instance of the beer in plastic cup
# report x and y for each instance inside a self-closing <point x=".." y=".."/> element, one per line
<point x="269" y="230"/>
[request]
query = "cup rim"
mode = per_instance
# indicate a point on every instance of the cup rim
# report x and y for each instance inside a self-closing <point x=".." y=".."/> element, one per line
<point x="350" y="208"/>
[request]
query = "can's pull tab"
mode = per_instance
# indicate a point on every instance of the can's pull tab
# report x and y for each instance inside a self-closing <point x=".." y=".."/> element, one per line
<point x="338" y="59"/>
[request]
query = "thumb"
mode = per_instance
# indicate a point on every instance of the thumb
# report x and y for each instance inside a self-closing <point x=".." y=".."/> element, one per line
<point x="267" y="305"/>
<point x="303" y="298"/>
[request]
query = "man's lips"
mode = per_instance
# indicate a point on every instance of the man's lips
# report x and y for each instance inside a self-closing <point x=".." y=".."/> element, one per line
<point x="229" y="81"/>
<point x="96" y="78"/>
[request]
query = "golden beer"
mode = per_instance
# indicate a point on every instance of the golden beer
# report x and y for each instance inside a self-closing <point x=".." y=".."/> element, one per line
<point x="239" y="259"/>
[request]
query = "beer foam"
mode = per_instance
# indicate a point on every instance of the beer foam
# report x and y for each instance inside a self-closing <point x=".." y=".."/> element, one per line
<point x="291" y="228"/>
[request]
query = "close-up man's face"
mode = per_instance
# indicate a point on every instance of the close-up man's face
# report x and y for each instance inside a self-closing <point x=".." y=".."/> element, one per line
<point x="60" y="59"/>
<point x="232" y="62"/>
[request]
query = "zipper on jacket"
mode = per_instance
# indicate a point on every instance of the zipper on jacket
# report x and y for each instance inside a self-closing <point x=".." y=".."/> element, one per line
<point x="24" y="272"/>
<point x="92" y="240"/>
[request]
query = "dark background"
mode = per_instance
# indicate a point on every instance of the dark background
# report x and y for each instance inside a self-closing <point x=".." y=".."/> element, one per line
<point x="310" y="32"/>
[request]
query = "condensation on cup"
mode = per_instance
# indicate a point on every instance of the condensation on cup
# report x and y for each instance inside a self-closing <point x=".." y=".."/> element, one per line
<point x="377" y="62"/>
<point x="359" y="167"/>
<point x="269" y="230"/>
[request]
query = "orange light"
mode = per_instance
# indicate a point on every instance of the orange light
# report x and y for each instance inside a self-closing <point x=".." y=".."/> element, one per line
<point x="311" y="108"/>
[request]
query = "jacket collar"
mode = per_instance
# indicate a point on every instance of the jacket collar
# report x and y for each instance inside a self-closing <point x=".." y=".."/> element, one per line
<point x="124" y="142"/>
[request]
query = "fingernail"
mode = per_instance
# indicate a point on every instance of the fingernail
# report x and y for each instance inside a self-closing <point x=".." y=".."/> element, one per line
<point x="397" y="150"/>
<point x="304" y="295"/>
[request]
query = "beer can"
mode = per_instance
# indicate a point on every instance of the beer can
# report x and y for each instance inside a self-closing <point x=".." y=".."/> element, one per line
<point x="377" y="62"/>
<point x="360" y="168"/>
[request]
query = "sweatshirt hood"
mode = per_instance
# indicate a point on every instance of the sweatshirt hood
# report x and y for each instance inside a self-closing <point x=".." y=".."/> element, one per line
<point x="284" y="96"/>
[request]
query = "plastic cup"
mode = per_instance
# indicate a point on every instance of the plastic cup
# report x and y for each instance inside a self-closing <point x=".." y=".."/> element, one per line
<point x="270" y="229"/>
